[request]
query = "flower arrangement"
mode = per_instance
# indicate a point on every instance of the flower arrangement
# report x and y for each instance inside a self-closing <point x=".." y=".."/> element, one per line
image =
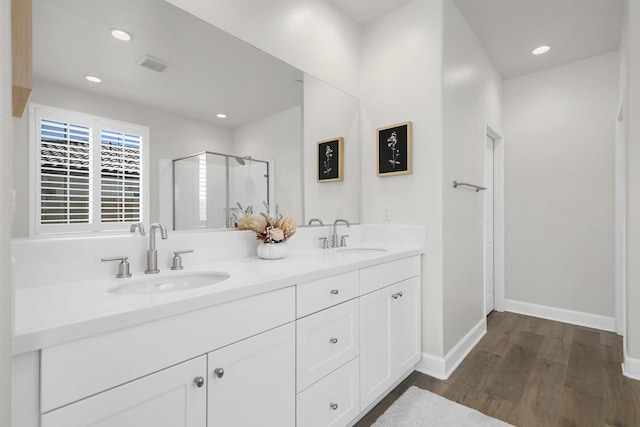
<point x="267" y="228"/>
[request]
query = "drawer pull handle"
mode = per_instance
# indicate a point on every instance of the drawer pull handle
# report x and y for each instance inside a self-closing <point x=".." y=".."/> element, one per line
<point x="199" y="381"/>
<point x="333" y="340"/>
<point x="334" y="292"/>
<point x="219" y="372"/>
<point x="333" y="406"/>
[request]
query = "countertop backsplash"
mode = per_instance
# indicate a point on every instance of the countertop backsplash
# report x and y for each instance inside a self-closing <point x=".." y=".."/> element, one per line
<point x="48" y="261"/>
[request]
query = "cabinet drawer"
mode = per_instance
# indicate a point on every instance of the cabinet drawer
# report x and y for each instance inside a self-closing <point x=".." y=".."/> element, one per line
<point x="332" y="401"/>
<point x="325" y="341"/>
<point x="74" y="370"/>
<point x="320" y="294"/>
<point x="379" y="276"/>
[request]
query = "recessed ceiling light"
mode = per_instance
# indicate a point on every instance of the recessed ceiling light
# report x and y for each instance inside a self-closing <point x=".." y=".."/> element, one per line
<point x="540" y="50"/>
<point x="92" y="79"/>
<point x="221" y="116"/>
<point x="120" y="34"/>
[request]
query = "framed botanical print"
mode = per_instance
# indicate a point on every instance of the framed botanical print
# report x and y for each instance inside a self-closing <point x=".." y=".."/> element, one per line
<point x="394" y="149"/>
<point x="330" y="160"/>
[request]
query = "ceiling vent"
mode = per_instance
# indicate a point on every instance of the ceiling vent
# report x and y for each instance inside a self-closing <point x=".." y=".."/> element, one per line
<point x="152" y="63"/>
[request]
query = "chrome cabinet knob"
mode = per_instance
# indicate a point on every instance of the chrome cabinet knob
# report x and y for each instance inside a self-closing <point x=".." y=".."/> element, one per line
<point x="400" y="294"/>
<point x="199" y="381"/>
<point x="219" y="372"/>
<point x="333" y="340"/>
<point x="334" y="292"/>
<point x="333" y="406"/>
<point x="395" y="296"/>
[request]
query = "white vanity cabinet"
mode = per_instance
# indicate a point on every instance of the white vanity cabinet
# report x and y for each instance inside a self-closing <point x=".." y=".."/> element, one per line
<point x="252" y="382"/>
<point x="361" y="338"/>
<point x="327" y="346"/>
<point x="389" y="335"/>
<point x="173" y="397"/>
<point x="319" y="353"/>
<point x="158" y="372"/>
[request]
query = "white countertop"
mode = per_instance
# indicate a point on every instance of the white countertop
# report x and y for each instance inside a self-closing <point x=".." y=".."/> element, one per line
<point x="49" y="315"/>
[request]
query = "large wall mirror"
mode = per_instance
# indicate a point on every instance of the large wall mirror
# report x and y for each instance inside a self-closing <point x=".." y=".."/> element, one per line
<point x="176" y="76"/>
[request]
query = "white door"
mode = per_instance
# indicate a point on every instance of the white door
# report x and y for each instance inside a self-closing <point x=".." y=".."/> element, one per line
<point x="406" y="325"/>
<point x="173" y="397"/>
<point x="376" y="369"/>
<point x="253" y="382"/>
<point x="488" y="224"/>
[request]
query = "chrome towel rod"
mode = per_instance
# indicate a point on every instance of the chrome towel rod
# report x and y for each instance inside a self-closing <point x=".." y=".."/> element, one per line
<point x="477" y="187"/>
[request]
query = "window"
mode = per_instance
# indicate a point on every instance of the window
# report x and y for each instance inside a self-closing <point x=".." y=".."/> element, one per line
<point x="89" y="172"/>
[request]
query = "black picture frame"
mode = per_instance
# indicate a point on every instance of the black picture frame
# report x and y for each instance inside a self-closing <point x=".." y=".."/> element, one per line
<point x="394" y="150"/>
<point x="331" y="160"/>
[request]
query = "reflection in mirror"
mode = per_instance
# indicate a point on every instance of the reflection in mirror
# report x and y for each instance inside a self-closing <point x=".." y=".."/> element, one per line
<point x="330" y="113"/>
<point x="207" y="72"/>
<point x="213" y="190"/>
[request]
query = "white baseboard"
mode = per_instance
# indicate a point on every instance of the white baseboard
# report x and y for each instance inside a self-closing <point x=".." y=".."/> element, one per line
<point x="442" y="367"/>
<point x="579" y="318"/>
<point x="433" y="366"/>
<point x="631" y="367"/>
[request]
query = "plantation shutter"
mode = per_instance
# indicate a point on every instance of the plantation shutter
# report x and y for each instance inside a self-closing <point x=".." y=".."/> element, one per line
<point x="65" y="175"/>
<point x="120" y="173"/>
<point x="202" y="190"/>
<point x="88" y="172"/>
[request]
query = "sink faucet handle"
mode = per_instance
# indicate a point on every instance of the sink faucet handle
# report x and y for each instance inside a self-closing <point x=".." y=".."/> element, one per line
<point x="177" y="259"/>
<point x="343" y="240"/>
<point x="325" y="242"/>
<point x="123" y="267"/>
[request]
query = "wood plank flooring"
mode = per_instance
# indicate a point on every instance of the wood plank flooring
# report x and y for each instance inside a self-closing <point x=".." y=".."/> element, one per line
<point x="534" y="372"/>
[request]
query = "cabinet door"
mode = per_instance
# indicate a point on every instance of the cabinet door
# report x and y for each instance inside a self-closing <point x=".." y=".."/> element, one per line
<point x="253" y="382"/>
<point x="376" y="369"/>
<point x="406" y="325"/>
<point x="168" y="398"/>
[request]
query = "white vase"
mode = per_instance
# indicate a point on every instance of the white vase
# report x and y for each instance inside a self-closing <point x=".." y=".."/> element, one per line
<point x="272" y="250"/>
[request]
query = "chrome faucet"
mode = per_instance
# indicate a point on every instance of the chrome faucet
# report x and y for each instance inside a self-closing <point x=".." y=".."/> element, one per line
<point x="334" y="235"/>
<point x="152" y="253"/>
<point x="318" y="220"/>
<point x="137" y="226"/>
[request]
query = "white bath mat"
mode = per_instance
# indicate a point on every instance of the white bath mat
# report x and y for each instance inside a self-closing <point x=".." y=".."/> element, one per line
<point x="421" y="408"/>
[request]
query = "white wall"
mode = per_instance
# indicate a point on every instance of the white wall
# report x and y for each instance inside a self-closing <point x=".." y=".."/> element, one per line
<point x="472" y="92"/>
<point x="330" y="113"/>
<point x="171" y="137"/>
<point x="633" y="185"/>
<point x="260" y="140"/>
<point x="401" y="81"/>
<point x="309" y="34"/>
<point x="559" y="129"/>
<point x="6" y="208"/>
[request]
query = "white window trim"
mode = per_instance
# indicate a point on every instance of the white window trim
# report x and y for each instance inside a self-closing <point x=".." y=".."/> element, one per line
<point x="35" y="228"/>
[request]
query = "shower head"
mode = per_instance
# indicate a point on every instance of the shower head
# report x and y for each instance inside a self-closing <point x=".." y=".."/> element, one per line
<point x="241" y="160"/>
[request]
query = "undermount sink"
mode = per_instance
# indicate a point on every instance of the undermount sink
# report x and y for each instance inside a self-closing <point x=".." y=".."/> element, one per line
<point x="170" y="283"/>
<point x="361" y="250"/>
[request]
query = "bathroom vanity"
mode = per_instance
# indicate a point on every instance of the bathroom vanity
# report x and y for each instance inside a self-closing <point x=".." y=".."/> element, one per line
<point x="315" y="339"/>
